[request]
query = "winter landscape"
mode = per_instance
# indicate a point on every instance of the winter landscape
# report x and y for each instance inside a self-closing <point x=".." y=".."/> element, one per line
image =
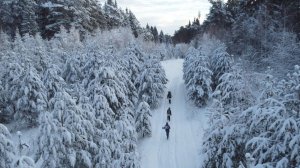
<point x="83" y="84"/>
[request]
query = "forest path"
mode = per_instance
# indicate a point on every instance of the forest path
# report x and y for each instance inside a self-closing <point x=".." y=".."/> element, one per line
<point x="187" y="127"/>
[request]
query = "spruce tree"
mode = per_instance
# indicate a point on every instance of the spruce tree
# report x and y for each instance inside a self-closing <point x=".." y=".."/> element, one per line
<point x="143" y="124"/>
<point x="7" y="152"/>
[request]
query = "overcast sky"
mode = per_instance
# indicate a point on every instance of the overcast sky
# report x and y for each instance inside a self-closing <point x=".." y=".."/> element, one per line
<point x="167" y="15"/>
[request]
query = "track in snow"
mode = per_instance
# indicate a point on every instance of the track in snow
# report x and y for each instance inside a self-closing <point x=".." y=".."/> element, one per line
<point x="187" y="127"/>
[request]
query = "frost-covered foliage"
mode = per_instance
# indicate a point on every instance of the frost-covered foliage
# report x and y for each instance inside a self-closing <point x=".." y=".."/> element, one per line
<point x="83" y="95"/>
<point x="268" y="131"/>
<point x="7" y="148"/>
<point x="143" y="124"/>
<point x="197" y="77"/>
<point x="53" y="144"/>
<point x="10" y="76"/>
<point x="25" y="162"/>
<point x="233" y="91"/>
<point x="30" y="97"/>
<point x="190" y="57"/>
<point x="151" y="82"/>
<point x="220" y="63"/>
<point x="284" y="53"/>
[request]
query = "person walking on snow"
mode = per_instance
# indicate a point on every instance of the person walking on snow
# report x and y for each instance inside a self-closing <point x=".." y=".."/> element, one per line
<point x="169" y="113"/>
<point x="167" y="129"/>
<point x="169" y="96"/>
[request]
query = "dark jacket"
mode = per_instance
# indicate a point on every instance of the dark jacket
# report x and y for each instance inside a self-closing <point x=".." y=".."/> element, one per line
<point x="167" y="127"/>
<point x="169" y="111"/>
<point x="169" y="96"/>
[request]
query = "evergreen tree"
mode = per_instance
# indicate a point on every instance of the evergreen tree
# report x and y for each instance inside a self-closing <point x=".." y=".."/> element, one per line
<point x="190" y="57"/>
<point x="53" y="15"/>
<point x="198" y="78"/>
<point x="52" y="81"/>
<point x="54" y="142"/>
<point x="151" y="83"/>
<point x="28" y="15"/>
<point x="30" y="98"/>
<point x="134" y="24"/>
<point x="161" y="37"/>
<point x="7" y="152"/>
<point x="143" y="124"/>
<point x="233" y="92"/>
<point x="10" y="77"/>
<point x="220" y="63"/>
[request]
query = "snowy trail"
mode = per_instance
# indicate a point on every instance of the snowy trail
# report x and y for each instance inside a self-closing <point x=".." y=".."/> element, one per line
<point x="181" y="150"/>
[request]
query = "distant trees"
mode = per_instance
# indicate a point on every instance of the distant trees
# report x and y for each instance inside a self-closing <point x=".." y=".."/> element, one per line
<point x="46" y="18"/>
<point x="187" y="33"/>
<point x="255" y="31"/>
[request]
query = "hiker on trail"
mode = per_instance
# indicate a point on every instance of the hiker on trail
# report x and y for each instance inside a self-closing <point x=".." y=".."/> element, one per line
<point x="169" y="113"/>
<point x="167" y="129"/>
<point x="169" y="96"/>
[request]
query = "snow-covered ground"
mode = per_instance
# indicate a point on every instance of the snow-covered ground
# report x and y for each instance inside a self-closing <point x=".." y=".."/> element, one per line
<point x="187" y="127"/>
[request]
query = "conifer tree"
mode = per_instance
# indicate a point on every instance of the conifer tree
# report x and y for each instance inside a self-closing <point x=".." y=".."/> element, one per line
<point x="7" y="152"/>
<point x="151" y="82"/>
<point x="143" y="124"/>
<point x="30" y="98"/>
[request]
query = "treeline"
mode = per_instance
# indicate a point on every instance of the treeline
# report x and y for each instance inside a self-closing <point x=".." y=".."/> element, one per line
<point x="90" y="99"/>
<point x="254" y="119"/>
<point x="261" y="32"/>
<point x="187" y="33"/>
<point x="46" y="17"/>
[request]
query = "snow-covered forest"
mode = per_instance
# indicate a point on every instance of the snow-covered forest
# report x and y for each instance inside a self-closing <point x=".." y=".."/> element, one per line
<point x="84" y="85"/>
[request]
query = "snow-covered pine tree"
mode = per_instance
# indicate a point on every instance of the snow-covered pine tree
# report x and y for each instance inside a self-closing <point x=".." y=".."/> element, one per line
<point x="233" y="92"/>
<point x="70" y="131"/>
<point x="198" y="87"/>
<point x="52" y="81"/>
<point x="151" y="82"/>
<point x="224" y="143"/>
<point x="292" y="93"/>
<point x="10" y="77"/>
<point x="143" y="124"/>
<point x="5" y="47"/>
<point x="29" y="19"/>
<point x="269" y="88"/>
<point x="84" y="132"/>
<point x="134" y="24"/>
<point x="268" y="131"/>
<point x="30" y="97"/>
<point x="54" y="142"/>
<point x="7" y="152"/>
<point x="199" y="83"/>
<point x="273" y="134"/>
<point x="126" y="127"/>
<point x="116" y="16"/>
<point x="89" y="15"/>
<point x="220" y="63"/>
<point x="132" y="61"/>
<point x="116" y="93"/>
<point x="71" y="71"/>
<point x="190" y="57"/>
<point x="113" y="111"/>
<point x="53" y="15"/>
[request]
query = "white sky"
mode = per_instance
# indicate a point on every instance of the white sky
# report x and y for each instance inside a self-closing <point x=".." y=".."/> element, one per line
<point x="167" y="15"/>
